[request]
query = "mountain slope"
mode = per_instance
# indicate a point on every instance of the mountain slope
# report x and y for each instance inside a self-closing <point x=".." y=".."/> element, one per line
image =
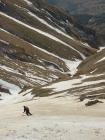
<point x="35" y="47"/>
<point x="89" y="13"/>
<point x="82" y="6"/>
<point x="44" y="52"/>
<point x="37" y="52"/>
<point x="88" y="83"/>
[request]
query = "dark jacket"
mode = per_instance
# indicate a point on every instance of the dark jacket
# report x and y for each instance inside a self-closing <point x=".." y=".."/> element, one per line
<point x="27" y="111"/>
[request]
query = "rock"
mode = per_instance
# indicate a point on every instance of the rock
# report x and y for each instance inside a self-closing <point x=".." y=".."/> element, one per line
<point x="89" y="103"/>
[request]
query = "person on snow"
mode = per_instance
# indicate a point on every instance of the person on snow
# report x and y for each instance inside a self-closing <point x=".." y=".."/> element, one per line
<point x="27" y="111"/>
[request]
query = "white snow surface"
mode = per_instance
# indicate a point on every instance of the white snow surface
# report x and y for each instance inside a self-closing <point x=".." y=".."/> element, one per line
<point x="15" y="98"/>
<point x="72" y="65"/>
<point x="73" y="83"/>
<point x="11" y="87"/>
<point x="53" y="118"/>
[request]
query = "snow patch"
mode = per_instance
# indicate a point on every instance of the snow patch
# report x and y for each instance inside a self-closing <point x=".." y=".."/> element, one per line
<point x="9" y="69"/>
<point x="72" y="65"/>
<point x="24" y="96"/>
<point x="11" y="87"/>
<point x="101" y="48"/>
<point x="100" y="60"/>
<point x="5" y="42"/>
<point x="73" y="83"/>
<point x="28" y="2"/>
<point x="93" y="71"/>
<point x="3" y="29"/>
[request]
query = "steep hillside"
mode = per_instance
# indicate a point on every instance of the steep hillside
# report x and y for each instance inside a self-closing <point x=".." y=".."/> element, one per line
<point x="89" y="13"/>
<point x="94" y="64"/>
<point x="60" y="19"/>
<point x="88" y="83"/>
<point x="35" y="48"/>
<point x="82" y="6"/>
<point x="38" y="56"/>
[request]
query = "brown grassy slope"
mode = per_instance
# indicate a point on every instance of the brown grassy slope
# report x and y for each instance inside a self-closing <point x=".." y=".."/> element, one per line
<point x="22" y="15"/>
<point x="29" y="49"/>
<point x="24" y="69"/>
<point x="90" y="64"/>
<point x="24" y="58"/>
<point x="37" y="39"/>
